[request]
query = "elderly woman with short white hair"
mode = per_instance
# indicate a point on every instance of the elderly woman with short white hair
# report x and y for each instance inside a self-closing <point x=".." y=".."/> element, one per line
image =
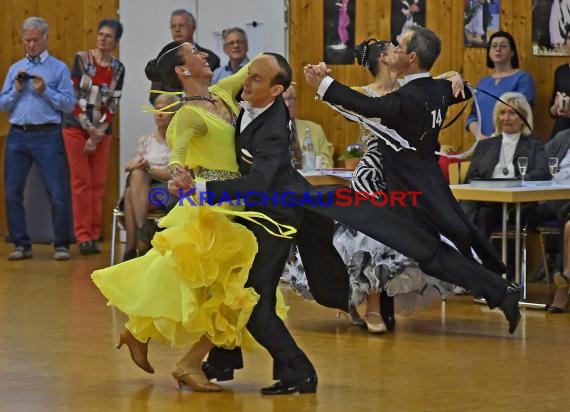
<point x="496" y="157"/>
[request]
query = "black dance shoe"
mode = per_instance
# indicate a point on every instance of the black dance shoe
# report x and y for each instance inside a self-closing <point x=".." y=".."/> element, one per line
<point x="390" y="322"/>
<point x="510" y="306"/>
<point x="307" y="385"/>
<point x="387" y="310"/>
<point x="219" y="375"/>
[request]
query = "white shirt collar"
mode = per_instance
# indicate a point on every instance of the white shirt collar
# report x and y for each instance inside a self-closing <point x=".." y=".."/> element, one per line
<point x="511" y="137"/>
<point x="250" y="113"/>
<point x="253" y="112"/>
<point x="411" y="77"/>
<point x="42" y="57"/>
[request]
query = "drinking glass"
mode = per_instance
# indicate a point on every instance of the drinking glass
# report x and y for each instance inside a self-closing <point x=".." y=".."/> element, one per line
<point x="522" y="163"/>
<point x="553" y="166"/>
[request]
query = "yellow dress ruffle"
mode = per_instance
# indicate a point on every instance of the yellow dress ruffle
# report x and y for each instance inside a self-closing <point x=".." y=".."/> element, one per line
<point x="191" y="283"/>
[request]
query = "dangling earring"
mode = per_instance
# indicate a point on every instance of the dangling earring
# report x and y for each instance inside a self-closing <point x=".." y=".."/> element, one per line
<point x="187" y="73"/>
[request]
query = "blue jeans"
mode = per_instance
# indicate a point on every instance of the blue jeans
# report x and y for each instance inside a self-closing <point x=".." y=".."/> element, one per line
<point x="45" y="148"/>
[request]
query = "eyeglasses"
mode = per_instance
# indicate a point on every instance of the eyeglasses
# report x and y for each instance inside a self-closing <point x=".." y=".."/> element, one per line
<point x="499" y="46"/>
<point x="178" y="26"/>
<point x="234" y="43"/>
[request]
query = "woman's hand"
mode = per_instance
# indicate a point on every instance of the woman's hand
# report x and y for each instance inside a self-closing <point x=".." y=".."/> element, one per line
<point x="314" y="74"/>
<point x="181" y="179"/>
<point x="457" y="85"/>
<point x="136" y="164"/>
<point x="89" y="147"/>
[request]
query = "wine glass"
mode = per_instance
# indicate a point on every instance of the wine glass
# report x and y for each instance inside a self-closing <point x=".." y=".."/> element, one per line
<point x="522" y="162"/>
<point x="553" y="165"/>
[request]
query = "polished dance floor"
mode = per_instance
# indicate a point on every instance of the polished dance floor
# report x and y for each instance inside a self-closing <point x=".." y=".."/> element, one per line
<point x="57" y="353"/>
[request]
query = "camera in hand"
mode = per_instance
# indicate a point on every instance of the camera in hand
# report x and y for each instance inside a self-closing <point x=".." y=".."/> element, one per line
<point x="563" y="103"/>
<point x="23" y="76"/>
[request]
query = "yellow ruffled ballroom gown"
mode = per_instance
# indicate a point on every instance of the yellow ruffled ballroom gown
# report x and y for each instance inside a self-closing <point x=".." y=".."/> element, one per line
<point x="191" y="282"/>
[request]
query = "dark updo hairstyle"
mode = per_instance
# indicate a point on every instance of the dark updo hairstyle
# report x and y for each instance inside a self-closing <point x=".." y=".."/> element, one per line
<point x="367" y="53"/>
<point x="113" y="24"/>
<point x="162" y="69"/>
<point x="509" y="37"/>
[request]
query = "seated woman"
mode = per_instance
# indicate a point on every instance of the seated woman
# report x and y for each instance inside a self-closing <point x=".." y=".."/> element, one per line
<point x="148" y="170"/>
<point x="497" y="156"/>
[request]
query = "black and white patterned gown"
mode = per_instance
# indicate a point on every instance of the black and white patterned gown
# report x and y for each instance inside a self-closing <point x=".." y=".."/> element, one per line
<point x="372" y="265"/>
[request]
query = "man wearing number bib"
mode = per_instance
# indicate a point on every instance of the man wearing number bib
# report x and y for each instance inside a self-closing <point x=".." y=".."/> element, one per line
<point x="416" y="112"/>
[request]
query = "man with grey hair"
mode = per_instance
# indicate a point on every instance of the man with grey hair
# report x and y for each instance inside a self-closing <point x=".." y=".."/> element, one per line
<point x="36" y="92"/>
<point x="416" y="112"/>
<point x="235" y="45"/>
<point x="182" y="28"/>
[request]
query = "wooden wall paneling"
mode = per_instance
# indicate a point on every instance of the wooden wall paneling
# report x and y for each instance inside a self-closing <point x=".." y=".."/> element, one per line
<point x="445" y="17"/>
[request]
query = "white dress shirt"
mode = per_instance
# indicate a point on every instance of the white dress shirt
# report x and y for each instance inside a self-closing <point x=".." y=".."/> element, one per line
<point x="506" y="155"/>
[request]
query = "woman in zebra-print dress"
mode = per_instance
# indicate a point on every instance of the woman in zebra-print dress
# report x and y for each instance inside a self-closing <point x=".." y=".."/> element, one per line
<point x="377" y="272"/>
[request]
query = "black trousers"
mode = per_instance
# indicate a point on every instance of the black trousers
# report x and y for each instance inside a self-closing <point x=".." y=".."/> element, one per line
<point x="435" y="258"/>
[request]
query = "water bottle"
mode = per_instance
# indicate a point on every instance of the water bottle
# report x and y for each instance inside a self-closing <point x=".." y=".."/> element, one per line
<point x="308" y="151"/>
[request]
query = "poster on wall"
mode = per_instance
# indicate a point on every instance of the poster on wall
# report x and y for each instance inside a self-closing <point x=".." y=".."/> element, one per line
<point x="406" y="14"/>
<point x="481" y="20"/>
<point x="551" y="27"/>
<point x="339" y="19"/>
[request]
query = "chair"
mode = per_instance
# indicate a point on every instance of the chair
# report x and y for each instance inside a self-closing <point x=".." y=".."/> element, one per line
<point x="118" y="219"/>
<point x="458" y="172"/>
<point x="549" y="228"/>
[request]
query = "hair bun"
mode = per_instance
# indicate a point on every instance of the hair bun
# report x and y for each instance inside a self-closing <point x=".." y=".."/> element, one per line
<point x="151" y="71"/>
<point x="362" y="51"/>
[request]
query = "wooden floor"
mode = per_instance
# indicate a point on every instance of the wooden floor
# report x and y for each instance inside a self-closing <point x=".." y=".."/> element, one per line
<point x="57" y="353"/>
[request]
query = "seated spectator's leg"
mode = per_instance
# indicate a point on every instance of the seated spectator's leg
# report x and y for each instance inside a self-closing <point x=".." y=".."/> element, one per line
<point x="17" y="164"/>
<point x="139" y="185"/>
<point x="49" y="155"/>
<point x="74" y="139"/>
<point x="130" y="224"/>
<point x="561" y="297"/>
<point x="566" y="250"/>
<point x="98" y="163"/>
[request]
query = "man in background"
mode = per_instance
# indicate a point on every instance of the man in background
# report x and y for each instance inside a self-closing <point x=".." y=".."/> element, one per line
<point x="235" y="47"/>
<point x="321" y="146"/>
<point x="182" y="28"/>
<point x="36" y="92"/>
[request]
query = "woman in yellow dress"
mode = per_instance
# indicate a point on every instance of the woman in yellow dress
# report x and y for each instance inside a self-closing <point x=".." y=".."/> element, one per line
<point x="189" y="289"/>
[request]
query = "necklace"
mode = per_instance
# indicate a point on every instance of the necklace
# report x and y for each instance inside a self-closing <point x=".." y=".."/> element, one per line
<point x="505" y="169"/>
<point x="206" y="98"/>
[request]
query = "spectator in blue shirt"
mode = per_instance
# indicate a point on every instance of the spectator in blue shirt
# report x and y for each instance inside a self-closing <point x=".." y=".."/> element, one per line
<point x="503" y="59"/>
<point x="235" y="46"/>
<point x="36" y="91"/>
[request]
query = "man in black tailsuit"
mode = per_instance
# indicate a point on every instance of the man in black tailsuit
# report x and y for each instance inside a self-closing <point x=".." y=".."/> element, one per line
<point x="263" y="155"/>
<point x="416" y="111"/>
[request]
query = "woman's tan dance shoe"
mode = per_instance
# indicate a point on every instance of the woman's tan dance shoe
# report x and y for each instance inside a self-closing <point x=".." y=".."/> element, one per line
<point x="184" y="377"/>
<point x="374" y="327"/>
<point x="137" y="349"/>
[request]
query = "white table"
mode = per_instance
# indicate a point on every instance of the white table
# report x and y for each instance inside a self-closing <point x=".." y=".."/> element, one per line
<point x="530" y="192"/>
<point x="327" y="177"/>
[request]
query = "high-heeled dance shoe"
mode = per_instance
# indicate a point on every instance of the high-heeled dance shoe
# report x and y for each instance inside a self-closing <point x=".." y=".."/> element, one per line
<point x="184" y="377"/>
<point x="561" y="279"/>
<point x="138" y="350"/>
<point x="379" y="327"/>
<point x="560" y="300"/>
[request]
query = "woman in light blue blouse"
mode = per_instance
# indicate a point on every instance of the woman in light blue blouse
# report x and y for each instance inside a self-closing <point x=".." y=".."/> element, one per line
<point x="503" y="58"/>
